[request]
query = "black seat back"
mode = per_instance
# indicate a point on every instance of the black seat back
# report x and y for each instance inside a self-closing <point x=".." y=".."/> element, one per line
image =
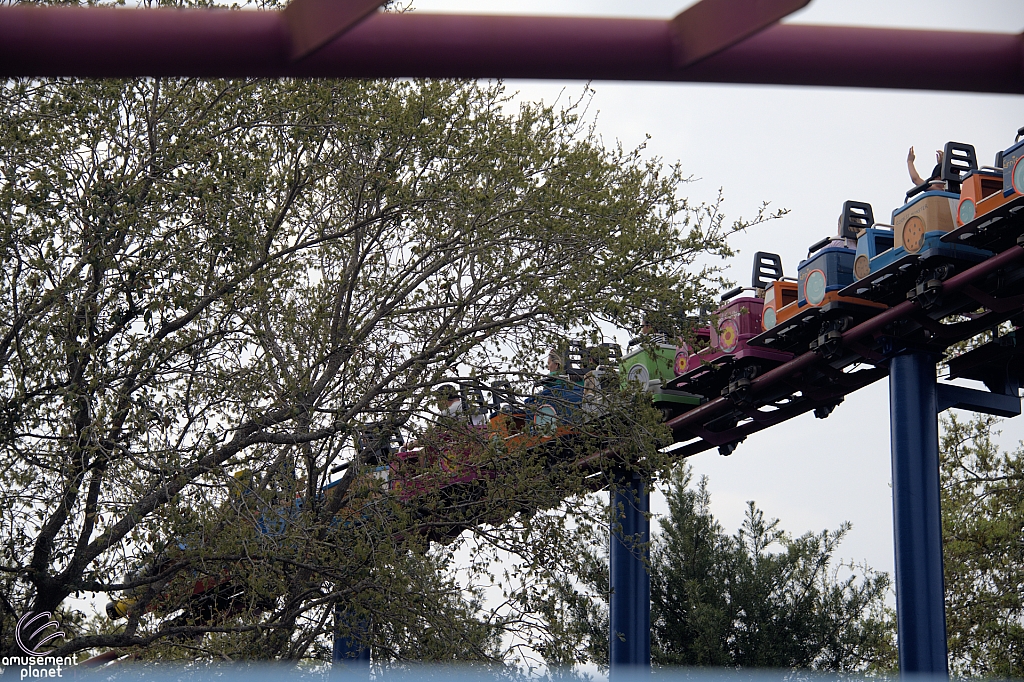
<point x="601" y="354"/>
<point x="957" y="158"/>
<point x="502" y="393"/>
<point x="472" y="396"/>
<point x="857" y="215"/>
<point x="378" y="441"/>
<point x="573" y="357"/>
<point x="767" y="269"/>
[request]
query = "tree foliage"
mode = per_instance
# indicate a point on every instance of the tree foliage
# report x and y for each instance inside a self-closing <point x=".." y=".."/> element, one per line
<point x="209" y="287"/>
<point x="983" y="549"/>
<point x="759" y="598"/>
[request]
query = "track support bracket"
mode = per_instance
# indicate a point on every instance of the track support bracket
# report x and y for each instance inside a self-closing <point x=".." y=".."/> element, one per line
<point x="1006" y="404"/>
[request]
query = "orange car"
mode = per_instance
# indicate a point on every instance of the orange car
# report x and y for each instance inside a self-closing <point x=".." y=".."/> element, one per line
<point x="981" y="192"/>
<point x="777" y="298"/>
<point x="986" y="189"/>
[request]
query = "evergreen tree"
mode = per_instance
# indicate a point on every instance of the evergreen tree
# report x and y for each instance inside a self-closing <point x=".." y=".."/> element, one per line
<point x="689" y="582"/>
<point x="983" y="550"/>
<point x="737" y="601"/>
<point x="759" y="598"/>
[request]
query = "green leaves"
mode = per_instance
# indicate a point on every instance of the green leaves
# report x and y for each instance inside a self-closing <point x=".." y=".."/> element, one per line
<point x="207" y="277"/>
<point x="983" y="549"/>
<point x="759" y="598"/>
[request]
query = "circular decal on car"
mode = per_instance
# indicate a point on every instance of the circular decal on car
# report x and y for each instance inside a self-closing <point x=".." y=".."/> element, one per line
<point x="814" y="287"/>
<point x="546" y="419"/>
<point x="1018" y="176"/>
<point x="768" y="318"/>
<point x="967" y="211"/>
<point x="639" y="374"/>
<point x="728" y="336"/>
<point x="682" y="359"/>
<point x="861" y="266"/>
<point x="913" y="234"/>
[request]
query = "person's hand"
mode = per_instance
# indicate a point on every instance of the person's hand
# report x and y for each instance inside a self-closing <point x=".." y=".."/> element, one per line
<point x="938" y="156"/>
<point x="910" y="156"/>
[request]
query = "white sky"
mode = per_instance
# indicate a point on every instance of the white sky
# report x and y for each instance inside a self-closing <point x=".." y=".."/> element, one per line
<point x="806" y="149"/>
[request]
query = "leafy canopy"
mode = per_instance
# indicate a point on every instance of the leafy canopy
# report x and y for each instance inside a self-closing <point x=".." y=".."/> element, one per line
<point x="983" y="549"/>
<point x="209" y="284"/>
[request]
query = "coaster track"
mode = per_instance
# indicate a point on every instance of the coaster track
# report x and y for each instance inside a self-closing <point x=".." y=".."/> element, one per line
<point x="712" y="398"/>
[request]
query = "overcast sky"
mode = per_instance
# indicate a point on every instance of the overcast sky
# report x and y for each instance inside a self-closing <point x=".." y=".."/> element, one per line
<point x="808" y="150"/>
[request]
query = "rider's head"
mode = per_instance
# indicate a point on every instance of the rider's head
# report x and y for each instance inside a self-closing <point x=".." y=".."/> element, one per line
<point x="555" y="363"/>
<point x="447" y="395"/>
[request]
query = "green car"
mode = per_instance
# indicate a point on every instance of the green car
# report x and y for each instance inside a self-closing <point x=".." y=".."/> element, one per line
<point x="652" y="372"/>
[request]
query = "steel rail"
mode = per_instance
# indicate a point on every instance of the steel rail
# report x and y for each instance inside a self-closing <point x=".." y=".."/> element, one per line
<point x="40" y="41"/>
<point x="952" y="285"/>
<point x="718" y="406"/>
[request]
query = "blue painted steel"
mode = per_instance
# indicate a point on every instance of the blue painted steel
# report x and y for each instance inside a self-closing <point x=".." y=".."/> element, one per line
<point x="348" y="655"/>
<point x="1000" y="404"/>
<point x="920" y="605"/>
<point x="630" y="600"/>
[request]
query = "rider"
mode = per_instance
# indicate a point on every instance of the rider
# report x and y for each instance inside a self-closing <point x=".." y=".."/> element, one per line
<point x="450" y="402"/>
<point x="934" y="181"/>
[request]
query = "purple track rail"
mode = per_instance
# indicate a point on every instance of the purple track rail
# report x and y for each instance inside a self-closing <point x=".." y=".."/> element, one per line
<point x="692" y="424"/>
<point x="109" y="42"/>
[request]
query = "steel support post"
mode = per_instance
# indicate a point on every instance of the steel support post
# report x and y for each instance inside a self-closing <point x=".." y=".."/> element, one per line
<point x="630" y="600"/>
<point x="920" y="597"/>
<point x="348" y="655"/>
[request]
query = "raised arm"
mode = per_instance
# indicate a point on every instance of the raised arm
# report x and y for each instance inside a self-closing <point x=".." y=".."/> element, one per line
<point x="915" y="177"/>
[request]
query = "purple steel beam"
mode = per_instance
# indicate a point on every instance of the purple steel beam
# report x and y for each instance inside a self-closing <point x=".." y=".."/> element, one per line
<point x="711" y="26"/>
<point x="719" y="406"/>
<point x="314" y="23"/>
<point x="769" y="419"/>
<point x="92" y="41"/>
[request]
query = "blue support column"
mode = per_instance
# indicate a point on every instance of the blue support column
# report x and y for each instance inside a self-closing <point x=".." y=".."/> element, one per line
<point x="920" y="597"/>
<point x="630" y="600"/>
<point x="348" y="655"/>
